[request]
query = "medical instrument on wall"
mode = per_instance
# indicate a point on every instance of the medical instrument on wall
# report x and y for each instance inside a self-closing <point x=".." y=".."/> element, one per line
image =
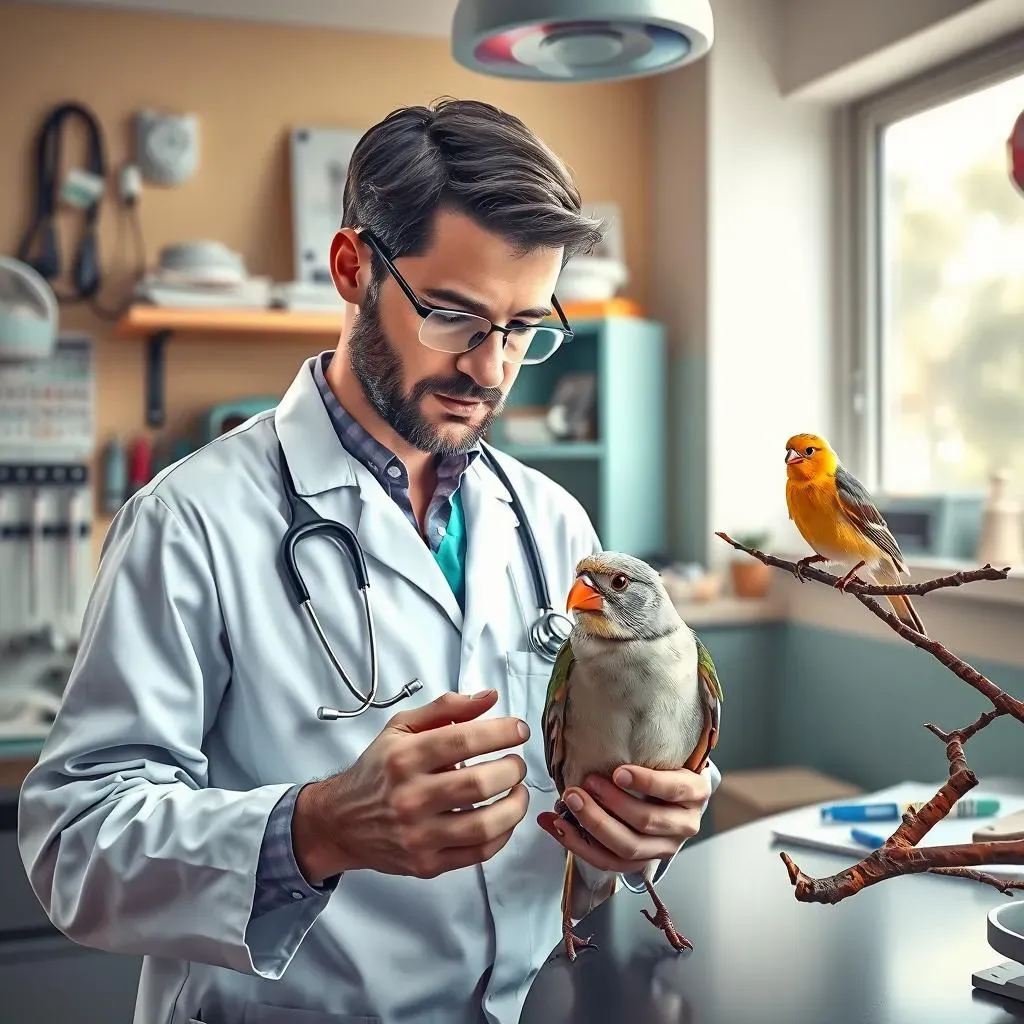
<point x="84" y="189"/>
<point x="28" y="313"/>
<point x="547" y="633"/>
<point x="46" y="442"/>
<point x="43" y="554"/>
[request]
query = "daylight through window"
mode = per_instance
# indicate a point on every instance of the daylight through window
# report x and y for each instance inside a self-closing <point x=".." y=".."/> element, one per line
<point x="951" y="276"/>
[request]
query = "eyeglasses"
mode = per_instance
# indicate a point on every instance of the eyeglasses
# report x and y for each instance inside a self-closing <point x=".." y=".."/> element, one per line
<point x="456" y="331"/>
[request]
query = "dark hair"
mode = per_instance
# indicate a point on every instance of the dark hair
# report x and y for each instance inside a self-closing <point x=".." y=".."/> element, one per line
<point x="467" y="156"/>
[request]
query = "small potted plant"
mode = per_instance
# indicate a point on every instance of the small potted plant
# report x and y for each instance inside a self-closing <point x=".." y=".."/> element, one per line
<point x="750" y="576"/>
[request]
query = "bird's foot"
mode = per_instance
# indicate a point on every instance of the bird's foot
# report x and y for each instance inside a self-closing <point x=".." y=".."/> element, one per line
<point x="661" y="920"/>
<point x="850" y="577"/>
<point x="573" y="943"/>
<point x="798" y="569"/>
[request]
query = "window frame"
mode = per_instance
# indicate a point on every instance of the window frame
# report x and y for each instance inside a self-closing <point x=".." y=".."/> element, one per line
<point x="859" y="384"/>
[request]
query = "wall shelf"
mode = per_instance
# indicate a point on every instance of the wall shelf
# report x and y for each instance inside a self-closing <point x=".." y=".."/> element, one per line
<point x="156" y="325"/>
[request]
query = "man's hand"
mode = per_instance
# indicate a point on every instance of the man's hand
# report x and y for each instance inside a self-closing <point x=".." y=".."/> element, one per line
<point x="405" y="808"/>
<point x="628" y="833"/>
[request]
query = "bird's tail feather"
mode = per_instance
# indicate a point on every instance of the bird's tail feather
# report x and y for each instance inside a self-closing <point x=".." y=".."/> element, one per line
<point x="907" y="613"/>
<point x="887" y="576"/>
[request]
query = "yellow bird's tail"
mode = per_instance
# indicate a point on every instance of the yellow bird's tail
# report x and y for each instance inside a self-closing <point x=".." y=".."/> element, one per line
<point x="887" y="576"/>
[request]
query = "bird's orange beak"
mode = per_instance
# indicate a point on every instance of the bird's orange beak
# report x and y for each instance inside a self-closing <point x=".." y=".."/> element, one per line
<point x="792" y="455"/>
<point x="583" y="597"/>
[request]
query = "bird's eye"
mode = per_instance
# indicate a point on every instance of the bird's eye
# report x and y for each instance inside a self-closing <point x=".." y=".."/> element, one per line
<point x="808" y="452"/>
<point x="619" y="582"/>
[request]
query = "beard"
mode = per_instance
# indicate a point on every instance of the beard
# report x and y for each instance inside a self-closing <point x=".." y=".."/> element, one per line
<point x="378" y="369"/>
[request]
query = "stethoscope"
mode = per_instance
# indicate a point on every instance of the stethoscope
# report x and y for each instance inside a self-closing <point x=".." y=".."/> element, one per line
<point x="547" y="632"/>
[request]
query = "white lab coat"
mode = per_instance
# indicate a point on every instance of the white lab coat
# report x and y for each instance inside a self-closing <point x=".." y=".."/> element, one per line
<point x="192" y="708"/>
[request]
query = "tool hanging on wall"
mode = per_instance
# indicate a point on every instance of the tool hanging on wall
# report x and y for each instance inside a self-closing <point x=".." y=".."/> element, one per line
<point x="45" y="553"/>
<point x="83" y="189"/>
<point x="46" y="442"/>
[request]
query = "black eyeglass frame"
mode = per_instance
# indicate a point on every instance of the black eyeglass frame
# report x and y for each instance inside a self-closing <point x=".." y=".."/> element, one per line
<point x="424" y="309"/>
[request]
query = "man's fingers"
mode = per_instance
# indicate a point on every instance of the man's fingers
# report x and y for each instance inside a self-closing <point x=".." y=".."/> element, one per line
<point x="674" y="787"/>
<point x="448" y="708"/>
<point x="622" y="841"/>
<point x="649" y="817"/>
<point x="592" y="852"/>
<point x="448" y="790"/>
<point x="479" y="826"/>
<point x="453" y="743"/>
<point x="466" y="856"/>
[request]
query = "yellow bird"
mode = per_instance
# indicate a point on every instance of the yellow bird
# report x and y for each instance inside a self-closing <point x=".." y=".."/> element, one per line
<point x="836" y="516"/>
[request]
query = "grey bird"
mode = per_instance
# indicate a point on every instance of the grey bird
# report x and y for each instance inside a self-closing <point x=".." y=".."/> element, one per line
<point x="632" y="684"/>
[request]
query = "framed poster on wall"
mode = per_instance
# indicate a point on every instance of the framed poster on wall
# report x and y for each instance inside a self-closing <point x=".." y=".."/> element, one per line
<point x="319" y="165"/>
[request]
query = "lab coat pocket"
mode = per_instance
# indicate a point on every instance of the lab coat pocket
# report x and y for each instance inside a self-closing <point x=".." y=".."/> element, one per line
<point x="528" y="675"/>
<point x="264" y="1013"/>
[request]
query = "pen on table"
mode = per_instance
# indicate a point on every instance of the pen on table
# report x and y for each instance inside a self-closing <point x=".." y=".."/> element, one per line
<point x="890" y="811"/>
<point x="868" y="839"/>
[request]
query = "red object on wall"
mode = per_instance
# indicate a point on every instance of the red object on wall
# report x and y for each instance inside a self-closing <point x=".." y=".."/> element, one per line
<point x="140" y="462"/>
<point x="1015" y="145"/>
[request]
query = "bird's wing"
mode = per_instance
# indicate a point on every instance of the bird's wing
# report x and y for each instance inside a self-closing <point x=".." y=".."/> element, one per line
<point x="553" y="720"/>
<point x="712" y="699"/>
<point x="707" y="673"/>
<point x="858" y="507"/>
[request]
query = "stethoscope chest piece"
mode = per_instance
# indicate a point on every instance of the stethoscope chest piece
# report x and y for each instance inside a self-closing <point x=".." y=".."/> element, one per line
<point x="549" y="632"/>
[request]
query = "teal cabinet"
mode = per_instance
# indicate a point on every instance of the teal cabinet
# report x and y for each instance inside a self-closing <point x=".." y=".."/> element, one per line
<point x="619" y="475"/>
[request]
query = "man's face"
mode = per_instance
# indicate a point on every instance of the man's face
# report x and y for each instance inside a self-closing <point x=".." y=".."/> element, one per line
<point x="440" y="402"/>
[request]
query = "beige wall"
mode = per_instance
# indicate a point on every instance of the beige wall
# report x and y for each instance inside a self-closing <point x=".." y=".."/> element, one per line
<point x="249" y="83"/>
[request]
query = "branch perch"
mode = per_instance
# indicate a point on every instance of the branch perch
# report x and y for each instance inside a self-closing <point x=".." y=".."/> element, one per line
<point x="900" y="855"/>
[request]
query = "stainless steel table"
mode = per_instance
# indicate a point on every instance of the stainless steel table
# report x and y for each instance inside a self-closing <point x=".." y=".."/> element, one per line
<point x="900" y="952"/>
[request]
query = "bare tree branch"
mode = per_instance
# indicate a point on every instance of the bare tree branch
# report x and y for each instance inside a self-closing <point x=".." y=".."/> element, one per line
<point x="900" y="855"/>
<point x="956" y="579"/>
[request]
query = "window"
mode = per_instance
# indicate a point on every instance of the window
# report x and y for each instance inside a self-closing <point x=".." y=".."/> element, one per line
<point x="939" y="349"/>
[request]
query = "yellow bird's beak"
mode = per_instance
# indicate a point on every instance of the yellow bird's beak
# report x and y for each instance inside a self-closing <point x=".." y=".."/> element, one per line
<point x="792" y="455"/>
<point x="583" y="597"/>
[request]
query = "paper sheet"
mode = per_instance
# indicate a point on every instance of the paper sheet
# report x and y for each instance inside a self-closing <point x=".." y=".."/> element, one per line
<point x="803" y="827"/>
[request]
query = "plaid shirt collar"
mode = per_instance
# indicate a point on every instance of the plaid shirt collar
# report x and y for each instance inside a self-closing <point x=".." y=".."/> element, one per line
<point x="386" y="467"/>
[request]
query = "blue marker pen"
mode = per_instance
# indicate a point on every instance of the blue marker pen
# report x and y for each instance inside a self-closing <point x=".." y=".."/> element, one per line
<point x="861" y="812"/>
<point x="872" y="842"/>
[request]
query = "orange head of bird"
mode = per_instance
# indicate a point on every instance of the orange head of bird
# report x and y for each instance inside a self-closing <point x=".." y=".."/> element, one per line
<point x="809" y="457"/>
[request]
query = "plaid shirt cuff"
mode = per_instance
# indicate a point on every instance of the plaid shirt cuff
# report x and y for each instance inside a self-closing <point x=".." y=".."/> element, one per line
<point x="279" y="882"/>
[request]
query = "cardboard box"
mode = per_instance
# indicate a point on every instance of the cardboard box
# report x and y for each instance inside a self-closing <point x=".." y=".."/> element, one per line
<point x="744" y="796"/>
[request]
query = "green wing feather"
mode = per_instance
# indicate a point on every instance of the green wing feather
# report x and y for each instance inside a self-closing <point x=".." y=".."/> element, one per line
<point x="553" y="719"/>
<point x="706" y="671"/>
<point x="713" y="700"/>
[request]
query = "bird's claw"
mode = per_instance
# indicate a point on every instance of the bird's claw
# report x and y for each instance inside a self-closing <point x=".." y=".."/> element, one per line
<point x="661" y="920"/>
<point x="798" y="568"/>
<point x="573" y="942"/>
<point x="842" y="584"/>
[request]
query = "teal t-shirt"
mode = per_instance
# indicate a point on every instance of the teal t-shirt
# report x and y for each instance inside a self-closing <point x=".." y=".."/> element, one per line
<point x="451" y="554"/>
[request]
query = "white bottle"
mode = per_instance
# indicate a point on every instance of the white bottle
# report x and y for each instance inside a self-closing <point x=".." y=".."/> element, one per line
<point x="1001" y="541"/>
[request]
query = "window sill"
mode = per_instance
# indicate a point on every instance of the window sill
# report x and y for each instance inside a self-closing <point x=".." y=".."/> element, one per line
<point x="732" y="611"/>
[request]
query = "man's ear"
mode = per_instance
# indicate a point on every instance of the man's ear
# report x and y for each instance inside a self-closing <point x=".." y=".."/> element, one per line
<point x="350" y="266"/>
